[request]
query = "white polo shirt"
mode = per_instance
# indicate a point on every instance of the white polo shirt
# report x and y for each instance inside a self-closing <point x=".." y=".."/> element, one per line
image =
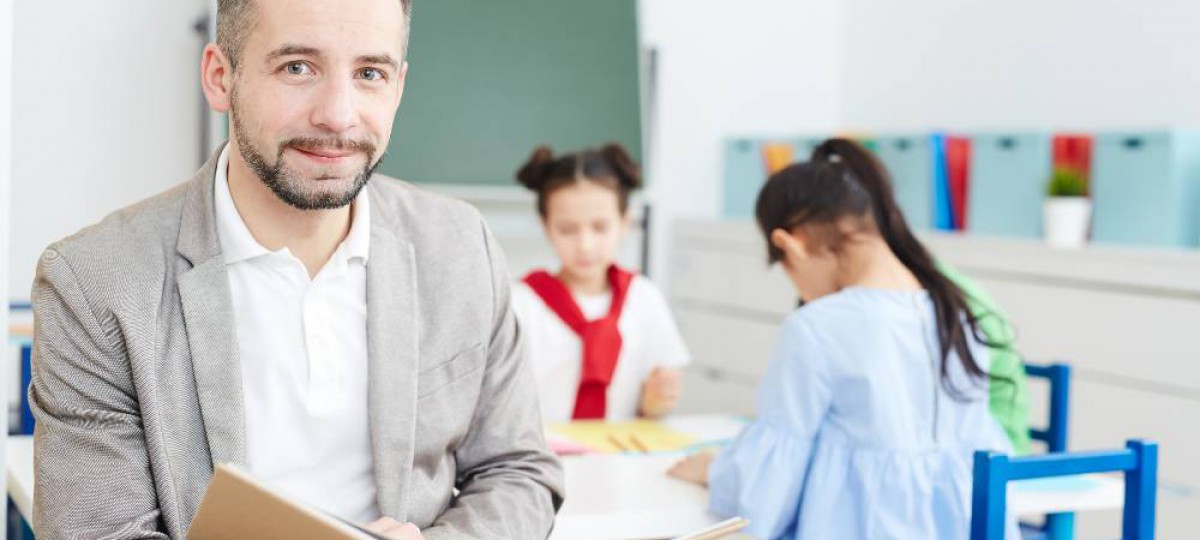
<point x="303" y="352"/>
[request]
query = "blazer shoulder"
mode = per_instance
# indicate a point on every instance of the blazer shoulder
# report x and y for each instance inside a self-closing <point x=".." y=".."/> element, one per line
<point x="129" y="238"/>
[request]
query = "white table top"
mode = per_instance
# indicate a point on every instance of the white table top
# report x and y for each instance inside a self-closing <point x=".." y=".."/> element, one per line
<point x="630" y="497"/>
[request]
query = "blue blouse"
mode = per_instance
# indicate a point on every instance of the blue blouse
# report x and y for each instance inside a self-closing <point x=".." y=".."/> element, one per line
<point x="856" y="435"/>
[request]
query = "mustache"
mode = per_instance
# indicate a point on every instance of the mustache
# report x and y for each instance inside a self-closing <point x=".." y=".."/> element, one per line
<point x="354" y="145"/>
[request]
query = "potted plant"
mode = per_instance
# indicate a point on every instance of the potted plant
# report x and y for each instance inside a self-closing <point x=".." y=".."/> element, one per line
<point x="1067" y="213"/>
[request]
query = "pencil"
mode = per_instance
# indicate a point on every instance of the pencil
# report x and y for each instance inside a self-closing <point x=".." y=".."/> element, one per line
<point x="612" y="437"/>
<point x="637" y="443"/>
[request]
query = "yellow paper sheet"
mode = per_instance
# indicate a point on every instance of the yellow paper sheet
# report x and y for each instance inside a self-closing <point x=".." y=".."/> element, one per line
<point x="629" y="436"/>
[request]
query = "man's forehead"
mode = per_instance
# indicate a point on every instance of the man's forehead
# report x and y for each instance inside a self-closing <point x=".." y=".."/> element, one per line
<point x="331" y="28"/>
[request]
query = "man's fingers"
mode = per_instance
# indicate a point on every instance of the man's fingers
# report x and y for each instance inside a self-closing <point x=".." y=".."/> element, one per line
<point x="382" y="524"/>
<point x="395" y="529"/>
<point x="406" y="531"/>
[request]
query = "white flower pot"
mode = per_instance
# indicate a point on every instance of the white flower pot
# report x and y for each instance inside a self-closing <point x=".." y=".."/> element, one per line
<point x="1067" y="221"/>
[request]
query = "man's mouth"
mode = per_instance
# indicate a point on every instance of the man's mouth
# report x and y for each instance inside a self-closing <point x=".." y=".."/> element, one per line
<point x="324" y="155"/>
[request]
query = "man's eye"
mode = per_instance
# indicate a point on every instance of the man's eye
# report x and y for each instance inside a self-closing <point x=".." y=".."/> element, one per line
<point x="296" y="68"/>
<point x="372" y="74"/>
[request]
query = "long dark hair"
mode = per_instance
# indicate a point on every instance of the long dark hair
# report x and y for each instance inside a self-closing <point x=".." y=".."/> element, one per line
<point x="609" y="166"/>
<point x="844" y="180"/>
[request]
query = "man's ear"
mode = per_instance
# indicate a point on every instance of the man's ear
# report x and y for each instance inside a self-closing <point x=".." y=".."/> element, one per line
<point x="216" y="78"/>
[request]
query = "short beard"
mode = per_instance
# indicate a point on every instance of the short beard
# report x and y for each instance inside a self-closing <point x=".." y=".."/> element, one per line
<point x="291" y="190"/>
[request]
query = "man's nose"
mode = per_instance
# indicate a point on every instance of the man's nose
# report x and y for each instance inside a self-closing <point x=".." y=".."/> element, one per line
<point x="335" y="110"/>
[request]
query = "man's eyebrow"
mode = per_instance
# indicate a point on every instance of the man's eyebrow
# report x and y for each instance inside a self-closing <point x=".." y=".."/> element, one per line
<point x="293" y="50"/>
<point x="384" y="58"/>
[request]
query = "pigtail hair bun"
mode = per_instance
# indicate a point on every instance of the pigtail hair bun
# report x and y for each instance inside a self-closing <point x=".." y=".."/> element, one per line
<point x="536" y="171"/>
<point x="627" y="171"/>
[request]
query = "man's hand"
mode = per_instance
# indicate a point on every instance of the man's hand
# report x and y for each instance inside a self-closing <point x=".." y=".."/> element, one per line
<point x="661" y="391"/>
<point x="394" y="529"/>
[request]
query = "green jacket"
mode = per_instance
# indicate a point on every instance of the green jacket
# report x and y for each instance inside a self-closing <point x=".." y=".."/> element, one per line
<point x="1008" y="390"/>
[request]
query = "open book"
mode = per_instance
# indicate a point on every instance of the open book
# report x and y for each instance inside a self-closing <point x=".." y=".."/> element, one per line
<point x="236" y="506"/>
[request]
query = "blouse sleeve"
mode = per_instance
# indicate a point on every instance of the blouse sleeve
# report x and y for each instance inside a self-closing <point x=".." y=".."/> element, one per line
<point x="761" y="474"/>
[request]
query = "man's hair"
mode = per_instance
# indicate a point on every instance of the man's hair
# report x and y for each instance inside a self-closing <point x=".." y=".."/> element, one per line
<point x="235" y="20"/>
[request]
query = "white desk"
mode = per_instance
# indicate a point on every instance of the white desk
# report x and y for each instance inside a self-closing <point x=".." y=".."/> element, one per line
<point x="630" y="497"/>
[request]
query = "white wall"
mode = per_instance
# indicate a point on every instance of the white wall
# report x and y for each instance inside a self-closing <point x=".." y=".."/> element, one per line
<point x="725" y="68"/>
<point x="106" y="112"/>
<point x="978" y="64"/>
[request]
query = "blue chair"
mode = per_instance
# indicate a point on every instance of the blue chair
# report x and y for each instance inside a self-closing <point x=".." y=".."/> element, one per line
<point x="1054" y="436"/>
<point x="1055" y="433"/>
<point x="993" y="472"/>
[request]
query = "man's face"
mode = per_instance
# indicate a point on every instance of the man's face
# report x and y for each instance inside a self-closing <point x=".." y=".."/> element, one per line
<point x="315" y="95"/>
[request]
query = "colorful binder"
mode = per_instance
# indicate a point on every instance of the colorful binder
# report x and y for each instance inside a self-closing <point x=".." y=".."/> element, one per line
<point x="958" y="163"/>
<point x="943" y="214"/>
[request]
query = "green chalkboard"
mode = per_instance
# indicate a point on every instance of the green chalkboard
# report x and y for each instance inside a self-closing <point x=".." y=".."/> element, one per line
<point x="490" y="80"/>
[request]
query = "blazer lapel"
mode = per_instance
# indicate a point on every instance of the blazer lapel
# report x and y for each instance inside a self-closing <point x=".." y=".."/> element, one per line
<point x="392" y="335"/>
<point x="209" y="319"/>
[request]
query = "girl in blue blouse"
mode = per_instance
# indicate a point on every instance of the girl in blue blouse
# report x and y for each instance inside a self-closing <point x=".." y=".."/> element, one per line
<point x="876" y="394"/>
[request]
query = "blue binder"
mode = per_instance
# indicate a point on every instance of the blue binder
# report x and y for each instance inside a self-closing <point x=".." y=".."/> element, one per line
<point x="943" y="214"/>
<point x="1009" y="173"/>
<point x="1146" y="188"/>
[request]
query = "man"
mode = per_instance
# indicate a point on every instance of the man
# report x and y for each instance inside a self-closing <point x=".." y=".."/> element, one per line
<point x="352" y="347"/>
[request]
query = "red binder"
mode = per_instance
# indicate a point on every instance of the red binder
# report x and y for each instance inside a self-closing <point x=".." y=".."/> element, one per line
<point x="958" y="166"/>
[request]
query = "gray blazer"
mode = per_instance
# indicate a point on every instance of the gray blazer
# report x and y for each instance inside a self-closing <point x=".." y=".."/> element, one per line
<point x="137" y="392"/>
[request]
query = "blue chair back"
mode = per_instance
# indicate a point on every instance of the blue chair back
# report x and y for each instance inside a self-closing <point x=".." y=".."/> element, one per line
<point x="1055" y="432"/>
<point x="1059" y="526"/>
<point x="993" y="472"/>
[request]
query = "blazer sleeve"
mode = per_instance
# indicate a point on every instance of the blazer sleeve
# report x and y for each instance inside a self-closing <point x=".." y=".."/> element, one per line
<point x="510" y="485"/>
<point x="92" y="473"/>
